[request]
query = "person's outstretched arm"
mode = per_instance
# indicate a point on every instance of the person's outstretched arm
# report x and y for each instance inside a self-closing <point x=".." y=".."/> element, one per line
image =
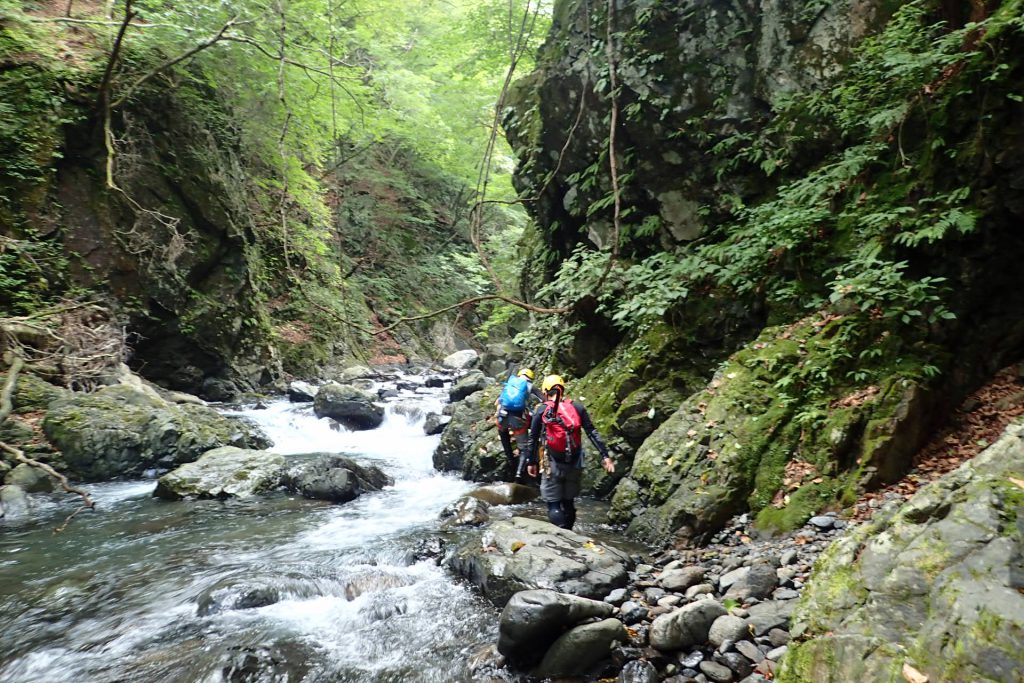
<point x="594" y="436"/>
<point x="534" y="440"/>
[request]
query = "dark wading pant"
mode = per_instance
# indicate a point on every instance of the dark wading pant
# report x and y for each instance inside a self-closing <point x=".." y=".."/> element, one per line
<point x="559" y="486"/>
<point x="510" y="426"/>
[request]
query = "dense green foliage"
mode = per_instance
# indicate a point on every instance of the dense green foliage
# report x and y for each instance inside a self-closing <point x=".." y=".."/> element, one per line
<point x="345" y="137"/>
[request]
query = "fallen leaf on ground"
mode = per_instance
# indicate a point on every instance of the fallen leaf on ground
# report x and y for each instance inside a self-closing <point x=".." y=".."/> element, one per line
<point x="516" y="545"/>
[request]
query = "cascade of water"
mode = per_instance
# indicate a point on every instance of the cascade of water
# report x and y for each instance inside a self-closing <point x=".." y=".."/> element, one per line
<point x="274" y="588"/>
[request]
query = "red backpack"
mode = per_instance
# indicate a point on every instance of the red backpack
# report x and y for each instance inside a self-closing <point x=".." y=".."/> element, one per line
<point x="562" y="430"/>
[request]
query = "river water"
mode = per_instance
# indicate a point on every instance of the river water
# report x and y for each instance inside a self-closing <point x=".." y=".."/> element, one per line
<point x="270" y="589"/>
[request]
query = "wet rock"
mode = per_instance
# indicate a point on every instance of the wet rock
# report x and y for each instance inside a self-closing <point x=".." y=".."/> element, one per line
<point x="505" y="494"/>
<point x="579" y="649"/>
<point x="638" y="672"/>
<point x="14" y="503"/>
<point x="473" y="382"/>
<point x="432" y="548"/>
<point x="750" y="651"/>
<point x="226" y="472"/>
<point x="434" y="382"/>
<point x="525" y="553"/>
<point x="334" y="478"/>
<point x="435" y="424"/>
<point x="227" y="595"/>
<point x="466" y="511"/>
<point x="125" y="430"/>
<point x="688" y="625"/>
<point x="283" y="661"/>
<point x="532" y="619"/>
<point x="352" y="407"/>
<point x="632" y="612"/>
<point x="737" y="663"/>
<point x="301" y="392"/>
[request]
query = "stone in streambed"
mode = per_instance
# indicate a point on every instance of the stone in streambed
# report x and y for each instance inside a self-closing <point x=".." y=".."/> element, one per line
<point x="532" y="619"/>
<point x="226" y="472"/>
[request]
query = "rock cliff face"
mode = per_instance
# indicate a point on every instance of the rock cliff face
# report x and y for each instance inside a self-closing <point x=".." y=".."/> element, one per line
<point x="792" y="371"/>
<point x="722" y="63"/>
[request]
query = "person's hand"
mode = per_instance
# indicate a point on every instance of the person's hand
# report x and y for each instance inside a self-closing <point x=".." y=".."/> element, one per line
<point x="608" y="464"/>
<point x="531" y="470"/>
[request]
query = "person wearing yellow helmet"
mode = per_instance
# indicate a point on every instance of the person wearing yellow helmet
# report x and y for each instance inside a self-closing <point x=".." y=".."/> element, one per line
<point x="558" y="425"/>
<point x="511" y="416"/>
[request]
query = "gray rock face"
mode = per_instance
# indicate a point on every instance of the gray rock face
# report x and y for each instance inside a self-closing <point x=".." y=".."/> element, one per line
<point x="30" y="479"/>
<point x="123" y="430"/>
<point x="301" y="392"/>
<point x="226" y="472"/>
<point x="461" y="360"/>
<point x="527" y="553"/>
<point x="469" y="443"/>
<point x="352" y="407"/>
<point x="533" y="619"/>
<point x="941" y="576"/>
<point x="334" y="478"/>
<point x="470" y="384"/>
<point x="578" y="650"/>
<point x="435" y="424"/>
<point x="688" y="625"/>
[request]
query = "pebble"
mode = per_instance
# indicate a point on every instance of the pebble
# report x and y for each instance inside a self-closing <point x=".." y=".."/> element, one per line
<point x="822" y="522"/>
<point x="777" y="637"/>
<point x="716" y="672"/>
<point x="750" y="651"/>
<point x="788" y="557"/>
<point x="777" y="653"/>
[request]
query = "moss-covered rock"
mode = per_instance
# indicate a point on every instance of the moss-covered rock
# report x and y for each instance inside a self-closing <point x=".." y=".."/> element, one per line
<point x="936" y="583"/>
<point x="123" y="430"/>
<point x="225" y="472"/>
<point x="470" y="443"/>
<point x="756" y="438"/>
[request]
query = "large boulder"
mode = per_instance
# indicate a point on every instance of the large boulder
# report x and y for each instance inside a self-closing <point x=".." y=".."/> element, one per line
<point x="533" y="619"/>
<point x="473" y="382"/>
<point x="334" y="477"/>
<point x="469" y="443"/>
<point x="580" y="649"/>
<point x="352" y="407"/>
<point x="462" y="360"/>
<point x="727" y="447"/>
<point x="687" y="626"/>
<point x="124" y="430"/>
<point x="226" y="472"/>
<point x="938" y="583"/>
<point x="30" y="479"/>
<point x="520" y="554"/>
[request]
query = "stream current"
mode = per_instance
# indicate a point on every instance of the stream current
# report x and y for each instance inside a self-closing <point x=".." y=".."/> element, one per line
<point x="271" y="589"/>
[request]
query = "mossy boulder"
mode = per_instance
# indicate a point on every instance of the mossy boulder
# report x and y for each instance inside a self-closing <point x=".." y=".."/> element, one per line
<point x="225" y="472"/>
<point x="470" y="443"/>
<point x="754" y="439"/>
<point x="124" y="430"/>
<point x="936" y="583"/>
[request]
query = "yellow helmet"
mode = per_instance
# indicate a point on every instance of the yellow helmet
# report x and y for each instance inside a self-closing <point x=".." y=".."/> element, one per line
<point x="552" y="381"/>
<point x="527" y="373"/>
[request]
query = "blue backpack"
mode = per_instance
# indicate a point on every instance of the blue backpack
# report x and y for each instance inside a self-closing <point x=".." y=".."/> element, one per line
<point x="513" y="396"/>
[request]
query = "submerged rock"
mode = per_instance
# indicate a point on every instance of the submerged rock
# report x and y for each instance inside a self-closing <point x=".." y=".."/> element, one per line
<point x="334" y="478"/>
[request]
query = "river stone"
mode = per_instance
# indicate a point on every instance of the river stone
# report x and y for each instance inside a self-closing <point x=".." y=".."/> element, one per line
<point x="333" y="477"/>
<point x="14" y="503"/>
<point x="466" y="511"/>
<point x="505" y="494"/>
<point x="680" y="579"/>
<point x="727" y="627"/>
<point x="227" y="595"/>
<point x="355" y="372"/>
<point x="716" y="672"/>
<point x="352" y="407"/>
<point x="529" y="553"/>
<point x="638" y="671"/>
<point x="578" y="650"/>
<point x="30" y="479"/>
<point x="758" y="583"/>
<point x="124" y="430"/>
<point x="532" y="619"/>
<point x="301" y="392"/>
<point x="473" y="382"/>
<point x="686" y="626"/>
<point x="907" y="582"/>
<point x="461" y="360"/>
<point x="435" y="424"/>
<point x="226" y="472"/>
